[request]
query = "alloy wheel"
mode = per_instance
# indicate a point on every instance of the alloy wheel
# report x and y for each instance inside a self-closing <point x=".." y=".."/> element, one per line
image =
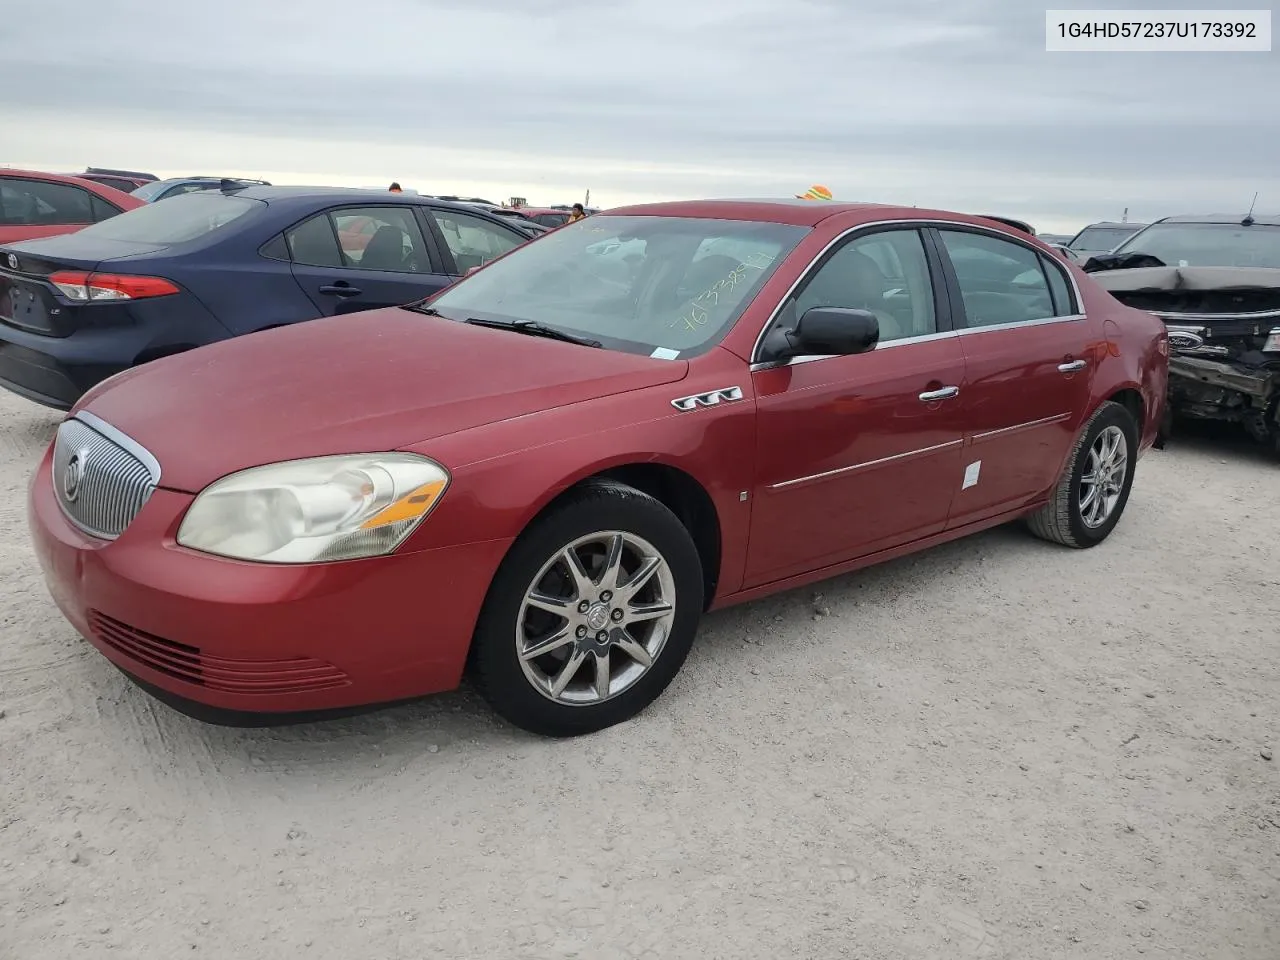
<point x="1102" y="482"/>
<point x="595" y="618"/>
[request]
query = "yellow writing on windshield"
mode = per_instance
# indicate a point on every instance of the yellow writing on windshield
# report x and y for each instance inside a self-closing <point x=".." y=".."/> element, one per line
<point x="699" y="309"/>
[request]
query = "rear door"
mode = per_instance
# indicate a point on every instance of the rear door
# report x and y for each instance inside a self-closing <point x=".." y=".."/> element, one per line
<point x="31" y="209"/>
<point x="468" y="241"/>
<point x="354" y="258"/>
<point x="1030" y="357"/>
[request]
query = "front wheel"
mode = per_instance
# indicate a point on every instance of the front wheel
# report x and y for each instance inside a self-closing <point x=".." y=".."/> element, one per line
<point x="591" y="615"/>
<point x="1091" y="495"/>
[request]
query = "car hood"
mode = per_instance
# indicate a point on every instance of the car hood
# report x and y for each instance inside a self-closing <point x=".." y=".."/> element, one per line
<point x="362" y="382"/>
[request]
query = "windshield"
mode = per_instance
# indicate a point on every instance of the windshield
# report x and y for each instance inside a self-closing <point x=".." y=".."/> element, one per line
<point x="661" y="286"/>
<point x="176" y="220"/>
<point x="1208" y="244"/>
<point x="1101" y="238"/>
<point x="153" y="189"/>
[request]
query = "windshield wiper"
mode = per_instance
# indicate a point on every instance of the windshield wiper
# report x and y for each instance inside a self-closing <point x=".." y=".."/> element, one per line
<point x="535" y="329"/>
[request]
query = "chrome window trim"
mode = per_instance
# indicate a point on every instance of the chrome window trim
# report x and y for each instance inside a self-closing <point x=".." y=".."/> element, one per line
<point x="908" y="341"/>
<point x="862" y="466"/>
<point x="139" y="452"/>
<point x="915" y="223"/>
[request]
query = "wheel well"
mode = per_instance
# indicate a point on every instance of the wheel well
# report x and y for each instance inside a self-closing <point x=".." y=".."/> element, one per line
<point x="1131" y="400"/>
<point x="687" y="499"/>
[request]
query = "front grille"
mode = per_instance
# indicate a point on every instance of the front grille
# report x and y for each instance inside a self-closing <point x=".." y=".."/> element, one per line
<point x="189" y="664"/>
<point x="102" y="479"/>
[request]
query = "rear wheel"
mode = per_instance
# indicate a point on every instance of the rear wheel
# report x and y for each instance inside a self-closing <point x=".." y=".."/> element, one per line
<point x="591" y="615"/>
<point x="1094" y="488"/>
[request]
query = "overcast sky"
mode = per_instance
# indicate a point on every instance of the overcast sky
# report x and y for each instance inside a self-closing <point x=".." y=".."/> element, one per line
<point x="942" y="103"/>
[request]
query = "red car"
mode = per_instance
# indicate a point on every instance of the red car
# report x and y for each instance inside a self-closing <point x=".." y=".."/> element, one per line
<point x="546" y="473"/>
<point x="35" y="205"/>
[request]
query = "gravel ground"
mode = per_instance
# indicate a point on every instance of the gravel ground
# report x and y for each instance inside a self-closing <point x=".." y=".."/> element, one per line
<point x="998" y="748"/>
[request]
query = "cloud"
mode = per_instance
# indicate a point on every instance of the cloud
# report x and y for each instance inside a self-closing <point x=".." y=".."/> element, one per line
<point x="954" y="103"/>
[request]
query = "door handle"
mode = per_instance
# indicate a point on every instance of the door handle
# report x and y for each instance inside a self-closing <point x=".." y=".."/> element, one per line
<point x="1073" y="366"/>
<point x="340" y="290"/>
<point x="944" y="393"/>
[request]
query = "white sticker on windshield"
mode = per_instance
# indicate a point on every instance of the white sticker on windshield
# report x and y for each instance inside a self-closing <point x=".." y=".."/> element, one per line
<point x="664" y="353"/>
<point x="971" y="475"/>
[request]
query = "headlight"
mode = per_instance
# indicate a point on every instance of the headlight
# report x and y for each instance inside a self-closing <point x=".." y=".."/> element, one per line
<point x="310" y="511"/>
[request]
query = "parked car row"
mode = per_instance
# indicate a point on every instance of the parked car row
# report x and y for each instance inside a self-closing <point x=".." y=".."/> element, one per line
<point x="542" y="472"/>
<point x="209" y="265"/>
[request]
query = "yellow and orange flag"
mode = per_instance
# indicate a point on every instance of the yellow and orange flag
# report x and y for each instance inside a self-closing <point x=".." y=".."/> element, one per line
<point x="816" y="192"/>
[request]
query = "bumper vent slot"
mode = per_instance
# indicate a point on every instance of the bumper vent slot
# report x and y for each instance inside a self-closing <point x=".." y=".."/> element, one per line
<point x="190" y="665"/>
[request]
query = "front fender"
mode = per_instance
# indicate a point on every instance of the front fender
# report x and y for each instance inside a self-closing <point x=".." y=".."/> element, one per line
<point x="503" y="475"/>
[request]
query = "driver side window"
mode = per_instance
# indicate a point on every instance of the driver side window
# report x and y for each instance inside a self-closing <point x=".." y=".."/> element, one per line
<point x="886" y="273"/>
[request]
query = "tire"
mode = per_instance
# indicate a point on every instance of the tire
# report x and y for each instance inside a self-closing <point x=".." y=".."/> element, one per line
<point x="574" y="612"/>
<point x="1069" y="518"/>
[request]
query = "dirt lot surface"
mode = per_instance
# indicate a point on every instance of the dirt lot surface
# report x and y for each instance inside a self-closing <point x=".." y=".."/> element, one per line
<point x="998" y="748"/>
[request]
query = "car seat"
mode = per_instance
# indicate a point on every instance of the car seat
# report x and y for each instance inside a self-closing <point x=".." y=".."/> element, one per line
<point x="385" y="251"/>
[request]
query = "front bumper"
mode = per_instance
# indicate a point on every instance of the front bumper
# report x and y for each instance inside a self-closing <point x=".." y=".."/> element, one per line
<point x="256" y="638"/>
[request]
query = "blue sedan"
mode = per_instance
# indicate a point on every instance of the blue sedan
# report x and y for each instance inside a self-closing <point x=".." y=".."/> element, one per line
<point x="210" y="265"/>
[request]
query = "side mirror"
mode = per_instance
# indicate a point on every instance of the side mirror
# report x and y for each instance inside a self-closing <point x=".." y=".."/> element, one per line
<point x="826" y="331"/>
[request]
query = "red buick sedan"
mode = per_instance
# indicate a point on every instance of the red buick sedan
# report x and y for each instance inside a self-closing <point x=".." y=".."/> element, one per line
<point x="545" y="474"/>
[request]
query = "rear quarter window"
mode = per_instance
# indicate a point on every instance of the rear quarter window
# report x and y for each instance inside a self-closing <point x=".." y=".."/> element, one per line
<point x="178" y="220"/>
<point x="42" y="203"/>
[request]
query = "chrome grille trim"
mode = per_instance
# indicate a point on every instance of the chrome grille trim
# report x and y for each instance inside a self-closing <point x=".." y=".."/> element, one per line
<point x="111" y="480"/>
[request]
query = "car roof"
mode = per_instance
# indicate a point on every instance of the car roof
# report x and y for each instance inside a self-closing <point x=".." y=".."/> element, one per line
<point x="790" y="210"/>
<point x="301" y="198"/>
<point x="43" y="175"/>
<point x="307" y="194"/>
<point x="1115" y="223"/>
<point x="1266" y="219"/>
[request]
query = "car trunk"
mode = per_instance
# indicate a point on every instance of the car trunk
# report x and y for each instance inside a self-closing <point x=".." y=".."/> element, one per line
<point x="30" y="302"/>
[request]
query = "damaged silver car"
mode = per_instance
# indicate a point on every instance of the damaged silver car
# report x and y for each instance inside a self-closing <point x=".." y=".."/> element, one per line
<point x="1215" y="281"/>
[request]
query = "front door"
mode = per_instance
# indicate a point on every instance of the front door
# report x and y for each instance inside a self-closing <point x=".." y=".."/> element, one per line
<point x="862" y="453"/>
<point x="358" y="258"/>
<point x="1030" y="357"/>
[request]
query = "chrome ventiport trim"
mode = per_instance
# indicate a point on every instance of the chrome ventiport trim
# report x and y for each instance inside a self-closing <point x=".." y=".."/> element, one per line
<point x="708" y="399"/>
<point x="865" y="465"/>
<point x="1042" y="422"/>
<point x="917" y="223"/>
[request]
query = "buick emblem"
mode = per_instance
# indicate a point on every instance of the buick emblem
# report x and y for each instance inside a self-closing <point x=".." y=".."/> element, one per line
<point x="13" y="262"/>
<point x="1185" y="340"/>
<point x="71" y="476"/>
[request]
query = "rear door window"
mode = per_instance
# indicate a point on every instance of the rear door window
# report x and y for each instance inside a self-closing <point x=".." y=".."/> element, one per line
<point x="313" y="243"/>
<point x="1001" y="281"/>
<point x="102" y="210"/>
<point x="43" y="204"/>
